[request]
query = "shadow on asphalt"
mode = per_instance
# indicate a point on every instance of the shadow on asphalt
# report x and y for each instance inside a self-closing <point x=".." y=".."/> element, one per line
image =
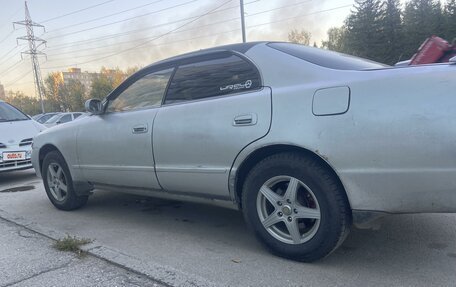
<point x="407" y="250"/>
<point x="404" y="238"/>
<point x="12" y="177"/>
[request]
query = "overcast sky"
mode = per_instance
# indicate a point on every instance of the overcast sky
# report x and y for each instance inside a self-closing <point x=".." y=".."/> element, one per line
<point x="105" y="34"/>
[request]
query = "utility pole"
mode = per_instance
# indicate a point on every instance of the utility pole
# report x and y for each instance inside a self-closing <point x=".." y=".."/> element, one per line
<point x="243" y="21"/>
<point x="34" y="44"/>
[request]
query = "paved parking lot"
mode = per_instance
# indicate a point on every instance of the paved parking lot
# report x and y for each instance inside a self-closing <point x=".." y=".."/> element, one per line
<point x="212" y="246"/>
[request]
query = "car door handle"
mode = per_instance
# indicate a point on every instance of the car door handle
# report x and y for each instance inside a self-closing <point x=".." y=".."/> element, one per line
<point x="139" y="129"/>
<point x="245" y="120"/>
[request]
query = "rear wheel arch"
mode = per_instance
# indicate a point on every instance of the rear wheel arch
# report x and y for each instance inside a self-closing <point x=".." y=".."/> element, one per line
<point x="258" y="155"/>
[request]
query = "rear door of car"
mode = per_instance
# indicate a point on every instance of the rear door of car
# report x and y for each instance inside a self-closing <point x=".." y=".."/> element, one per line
<point x="214" y="107"/>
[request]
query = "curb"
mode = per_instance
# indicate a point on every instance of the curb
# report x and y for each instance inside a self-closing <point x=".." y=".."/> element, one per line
<point x="160" y="273"/>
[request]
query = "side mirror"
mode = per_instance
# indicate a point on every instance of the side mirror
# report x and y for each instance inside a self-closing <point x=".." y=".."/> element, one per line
<point x="58" y="122"/>
<point x="94" y="106"/>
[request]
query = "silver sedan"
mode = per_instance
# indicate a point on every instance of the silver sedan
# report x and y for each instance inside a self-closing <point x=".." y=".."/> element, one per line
<point x="304" y="141"/>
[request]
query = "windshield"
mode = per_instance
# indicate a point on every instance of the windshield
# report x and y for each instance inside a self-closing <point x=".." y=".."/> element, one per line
<point x="326" y="58"/>
<point x="53" y="119"/>
<point x="9" y="113"/>
<point x="46" y="117"/>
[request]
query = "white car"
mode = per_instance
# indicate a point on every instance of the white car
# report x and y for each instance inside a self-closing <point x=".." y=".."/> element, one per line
<point x="62" y="118"/>
<point x="16" y="135"/>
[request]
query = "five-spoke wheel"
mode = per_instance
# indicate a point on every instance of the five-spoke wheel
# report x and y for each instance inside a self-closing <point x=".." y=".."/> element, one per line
<point x="59" y="184"/>
<point x="296" y="206"/>
<point x="288" y="209"/>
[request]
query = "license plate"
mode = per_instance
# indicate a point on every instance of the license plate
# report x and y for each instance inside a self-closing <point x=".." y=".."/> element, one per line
<point x="11" y="156"/>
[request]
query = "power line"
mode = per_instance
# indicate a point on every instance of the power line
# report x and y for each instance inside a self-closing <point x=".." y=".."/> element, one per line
<point x="97" y="39"/>
<point x="6" y="54"/>
<point x="248" y="27"/>
<point x="11" y="67"/>
<point x="18" y="78"/>
<point x="77" y="11"/>
<point x="189" y="18"/>
<point x="158" y="45"/>
<point x="141" y="30"/>
<point x="302" y="15"/>
<point x="146" y="42"/>
<point x="12" y="16"/>
<point x="104" y="17"/>
<point x="124" y="20"/>
<point x="7" y="36"/>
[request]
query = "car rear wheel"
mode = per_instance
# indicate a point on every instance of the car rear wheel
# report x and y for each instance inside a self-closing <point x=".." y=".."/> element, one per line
<point x="59" y="184"/>
<point x="296" y="207"/>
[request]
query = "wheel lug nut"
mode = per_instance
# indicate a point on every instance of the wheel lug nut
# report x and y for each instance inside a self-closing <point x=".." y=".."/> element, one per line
<point x="295" y="210"/>
<point x="279" y="203"/>
<point x="289" y="218"/>
<point x="279" y="213"/>
<point x="289" y="201"/>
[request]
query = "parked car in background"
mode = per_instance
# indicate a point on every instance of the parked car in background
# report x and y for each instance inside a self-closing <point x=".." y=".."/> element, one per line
<point x="16" y="136"/>
<point x="62" y="118"/>
<point x="42" y="118"/>
<point x="304" y="141"/>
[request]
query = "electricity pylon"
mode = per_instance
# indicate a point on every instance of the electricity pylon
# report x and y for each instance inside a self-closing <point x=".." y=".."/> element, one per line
<point x="34" y="44"/>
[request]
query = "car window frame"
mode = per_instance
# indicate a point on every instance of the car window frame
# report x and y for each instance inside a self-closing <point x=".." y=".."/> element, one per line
<point x="213" y="56"/>
<point x="133" y="79"/>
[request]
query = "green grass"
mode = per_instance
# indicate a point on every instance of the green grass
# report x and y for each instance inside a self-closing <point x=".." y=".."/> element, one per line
<point x="71" y="244"/>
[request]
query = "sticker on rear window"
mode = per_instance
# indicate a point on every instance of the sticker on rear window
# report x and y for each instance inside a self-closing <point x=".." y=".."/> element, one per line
<point x="239" y="86"/>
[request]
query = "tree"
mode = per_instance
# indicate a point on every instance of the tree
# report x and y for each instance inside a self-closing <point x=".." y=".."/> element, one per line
<point x="73" y="95"/>
<point x="392" y="32"/>
<point x="336" y="40"/>
<point x="28" y="105"/>
<point x="101" y="87"/>
<point x="364" y="30"/>
<point x="53" y="84"/>
<point x="422" y="19"/>
<point x="449" y="15"/>
<point x="299" y="37"/>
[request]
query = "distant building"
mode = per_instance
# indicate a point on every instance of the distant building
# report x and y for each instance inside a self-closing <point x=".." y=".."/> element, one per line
<point x="86" y="78"/>
<point x="75" y="74"/>
<point x="2" y="91"/>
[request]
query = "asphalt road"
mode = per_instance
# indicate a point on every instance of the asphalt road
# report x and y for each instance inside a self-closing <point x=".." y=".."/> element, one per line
<point x="213" y="244"/>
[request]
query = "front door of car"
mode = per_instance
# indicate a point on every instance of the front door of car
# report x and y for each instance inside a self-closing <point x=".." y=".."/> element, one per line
<point x="213" y="109"/>
<point x="115" y="148"/>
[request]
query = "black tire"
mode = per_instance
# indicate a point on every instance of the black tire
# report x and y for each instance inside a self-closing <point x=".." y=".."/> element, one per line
<point x="71" y="200"/>
<point x="335" y="213"/>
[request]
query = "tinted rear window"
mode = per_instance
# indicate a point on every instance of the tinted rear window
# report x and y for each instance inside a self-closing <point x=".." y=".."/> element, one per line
<point x="211" y="78"/>
<point x="325" y="58"/>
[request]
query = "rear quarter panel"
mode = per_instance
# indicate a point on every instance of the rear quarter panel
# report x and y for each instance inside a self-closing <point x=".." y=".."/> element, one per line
<point x="394" y="149"/>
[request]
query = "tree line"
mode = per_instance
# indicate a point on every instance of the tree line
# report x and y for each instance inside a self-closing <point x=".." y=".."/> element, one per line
<point x="386" y="31"/>
<point x="68" y="96"/>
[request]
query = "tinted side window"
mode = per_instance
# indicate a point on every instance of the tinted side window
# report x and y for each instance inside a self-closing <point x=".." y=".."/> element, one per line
<point x="76" y="115"/>
<point x="144" y="93"/>
<point x="65" y="119"/>
<point x="212" y="78"/>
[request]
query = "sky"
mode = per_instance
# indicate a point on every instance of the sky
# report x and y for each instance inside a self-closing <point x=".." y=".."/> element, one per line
<point x="89" y="34"/>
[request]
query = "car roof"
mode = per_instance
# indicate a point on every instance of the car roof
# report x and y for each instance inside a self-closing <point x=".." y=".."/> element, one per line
<point x="238" y="47"/>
